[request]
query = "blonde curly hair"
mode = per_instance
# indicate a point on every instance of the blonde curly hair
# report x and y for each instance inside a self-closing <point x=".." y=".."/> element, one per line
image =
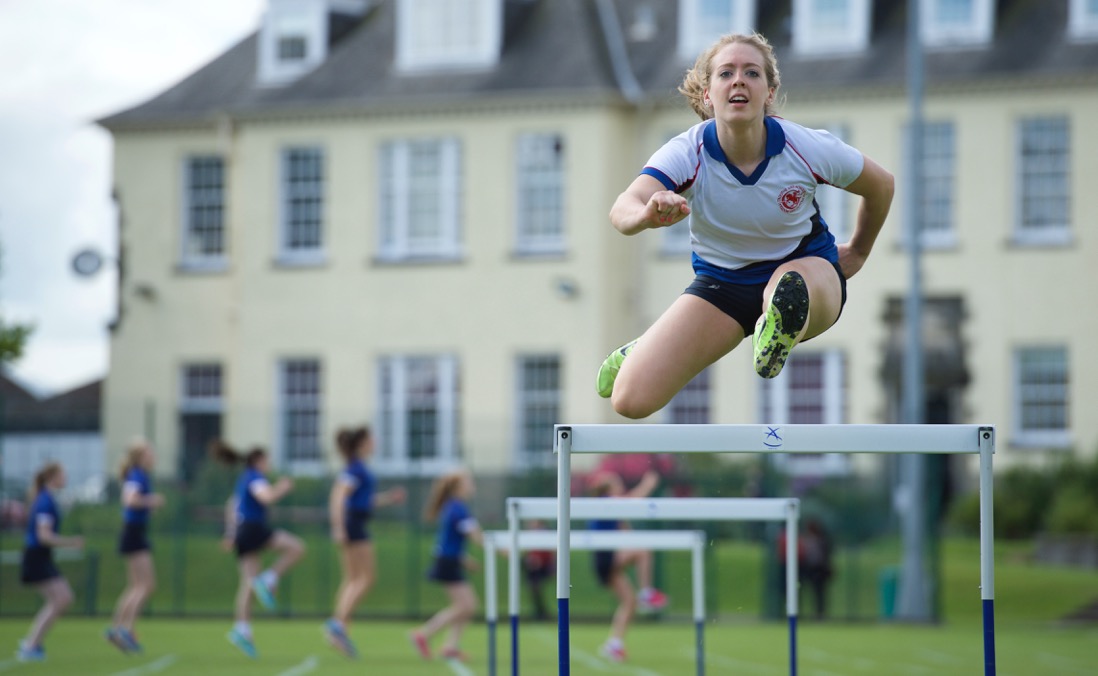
<point x="696" y="80"/>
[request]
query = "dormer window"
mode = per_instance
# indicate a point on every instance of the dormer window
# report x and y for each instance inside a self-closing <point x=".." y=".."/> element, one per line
<point x="701" y="22"/>
<point x="1083" y="19"/>
<point x="293" y="39"/>
<point x="292" y="48"/>
<point x="956" y="23"/>
<point x="830" y="26"/>
<point x="448" y="34"/>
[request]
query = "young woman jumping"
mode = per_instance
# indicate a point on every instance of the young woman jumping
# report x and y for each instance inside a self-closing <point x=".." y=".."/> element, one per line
<point x="448" y="504"/>
<point x="350" y="506"/>
<point x="137" y="501"/>
<point x="249" y="534"/>
<point x="38" y="568"/>
<point x="764" y="260"/>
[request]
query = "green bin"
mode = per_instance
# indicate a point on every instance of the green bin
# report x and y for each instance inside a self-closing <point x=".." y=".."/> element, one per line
<point x="888" y="581"/>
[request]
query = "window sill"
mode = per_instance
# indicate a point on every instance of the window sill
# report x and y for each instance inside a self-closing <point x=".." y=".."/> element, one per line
<point x="218" y="266"/>
<point x="417" y="259"/>
<point x="539" y="254"/>
<point x="1045" y="441"/>
<point x="1059" y="240"/>
<point x="303" y="261"/>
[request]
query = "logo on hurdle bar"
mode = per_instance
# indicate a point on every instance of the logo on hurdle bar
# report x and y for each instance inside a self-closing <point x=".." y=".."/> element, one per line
<point x="772" y="438"/>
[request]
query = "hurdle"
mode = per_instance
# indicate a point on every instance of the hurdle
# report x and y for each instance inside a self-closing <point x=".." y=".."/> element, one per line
<point x="692" y="541"/>
<point x="662" y="509"/>
<point x="888" y="439"/>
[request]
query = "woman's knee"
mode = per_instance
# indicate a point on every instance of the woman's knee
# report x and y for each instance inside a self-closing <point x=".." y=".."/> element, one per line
<point x="633" y="403"/>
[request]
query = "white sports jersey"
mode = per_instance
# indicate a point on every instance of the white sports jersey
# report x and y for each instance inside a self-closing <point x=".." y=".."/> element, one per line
<point x="736" y="220"/>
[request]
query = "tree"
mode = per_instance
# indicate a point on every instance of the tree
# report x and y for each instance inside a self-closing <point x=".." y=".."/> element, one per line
<point x="12" y="340"/>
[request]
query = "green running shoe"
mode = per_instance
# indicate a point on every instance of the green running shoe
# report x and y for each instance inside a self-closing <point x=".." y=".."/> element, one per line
<point x="777" y="329"/>
<point x="608" y="372"/>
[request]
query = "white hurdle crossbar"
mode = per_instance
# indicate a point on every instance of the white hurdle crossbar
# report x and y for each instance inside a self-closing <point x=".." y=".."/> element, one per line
<point x="692" y="541"/>
<point x="661" y="509"/>
<point x="930" y="439"/>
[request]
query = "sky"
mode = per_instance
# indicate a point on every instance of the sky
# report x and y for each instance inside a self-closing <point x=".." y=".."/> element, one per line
<point x="70" y="62"/>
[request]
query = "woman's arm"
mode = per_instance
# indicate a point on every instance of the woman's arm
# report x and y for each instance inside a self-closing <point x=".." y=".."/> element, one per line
<point x="393" y="496"/>
<point x="336" y="500"/>
<point x="876" y="186"/>
<point x="647" y="484"/>
<point x="133" y="499"/>
<point x="47" y="537"/>
<point x="269" y="494"/>
<point x="645" y="204"/>
<point x="229" y="534"/>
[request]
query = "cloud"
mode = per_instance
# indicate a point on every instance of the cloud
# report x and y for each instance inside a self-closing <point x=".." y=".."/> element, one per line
<point x="80" y="60"/>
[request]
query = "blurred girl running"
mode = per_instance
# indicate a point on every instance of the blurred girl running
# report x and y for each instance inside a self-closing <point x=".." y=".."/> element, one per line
<point x="350" y="506"/>
<point x="448" y="505"/>
<point x="249" y="534"/>
<point x="137" y="501"/>
<point x="38" y="569"/>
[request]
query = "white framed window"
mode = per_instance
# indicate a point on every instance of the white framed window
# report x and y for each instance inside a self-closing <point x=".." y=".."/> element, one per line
<point x="939" y="167"/>
<point x="418" y="420"/>
<point x="1044" y="181"/>
<point x="539" y="217"/>
<point x="538" y="393"/>
<point x="1083" y="19"/>
<point x="1042" y="396"/>
<point x="691" y="404"/>
<point x="420" y="201"/>
<point x="201" y="407"/>
<point x="810" y="390"/>
<point x="448" y="34"/>
<point x="300" y="408"/>
<point x="701" y="22"/>
<point x="201" y="388"/>
<point x="956" y="23"/>
<point x="834" y="203"/>
<point x="293" y="39"/>
<point x="301" y="238"/>
<point x="203" y="244"/>
<point x="830" y="26"/>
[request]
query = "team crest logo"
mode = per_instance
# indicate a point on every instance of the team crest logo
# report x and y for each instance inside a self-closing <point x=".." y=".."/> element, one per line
<point x="791" y="198"/>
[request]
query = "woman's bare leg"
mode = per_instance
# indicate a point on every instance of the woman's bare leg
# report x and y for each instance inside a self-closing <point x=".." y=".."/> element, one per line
<point x="142" y="583"/>
<point x="689" y="336"/>
<point x="249" y="569"/>
<point x="58" y="597"/>
<point x="359" y="565"/>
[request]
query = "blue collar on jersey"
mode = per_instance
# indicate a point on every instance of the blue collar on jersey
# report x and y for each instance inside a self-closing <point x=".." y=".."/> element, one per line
<point x="775" y="142"/>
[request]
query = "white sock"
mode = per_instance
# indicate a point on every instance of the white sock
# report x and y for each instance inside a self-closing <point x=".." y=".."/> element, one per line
<point x="646" y="592"/>
<point x="243" y="628"/>
<point x="615" y="643"/>
<point x="269" y="578"/>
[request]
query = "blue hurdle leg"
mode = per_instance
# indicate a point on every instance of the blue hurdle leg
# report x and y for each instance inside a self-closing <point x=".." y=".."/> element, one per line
<point x="792" y="645"/>
<point x="514" y="645"/>
<point x="564" y="660"/>
<point x="699" y="641"/>
<point x="989" y="637"/>
<point x="491" y="648"/>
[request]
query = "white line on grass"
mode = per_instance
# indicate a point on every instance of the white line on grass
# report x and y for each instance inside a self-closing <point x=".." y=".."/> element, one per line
<point x="1061" y="662"/>
<point x="458" y="668"/>
<point x="939" y="657"/>
<point x="150" y="668"/>
<point x="8" y="664"/>
<point x="305" y="667"/>
<point x="589" y="660"/>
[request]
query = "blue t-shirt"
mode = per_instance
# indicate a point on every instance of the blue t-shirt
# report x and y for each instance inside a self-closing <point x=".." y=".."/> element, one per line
<point x="604" y="524"/>
<point x="44" y="506"/>
<point x="361" y="479"/>
<point x="136" y="479"/>
<point x="248" y="508"/>
<point x="454" y="522"/>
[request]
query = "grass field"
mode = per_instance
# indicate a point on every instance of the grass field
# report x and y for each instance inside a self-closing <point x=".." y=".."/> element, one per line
<point x="295" y="648"/>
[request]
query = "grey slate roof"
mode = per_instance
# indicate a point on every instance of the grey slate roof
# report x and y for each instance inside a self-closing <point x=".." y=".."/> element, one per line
<point x="558" y="48"/>
<point x="76" y="410"/>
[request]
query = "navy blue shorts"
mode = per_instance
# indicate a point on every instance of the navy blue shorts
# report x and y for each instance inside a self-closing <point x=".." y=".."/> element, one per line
<point x="604" y="567"/>
<point x="135" y="538"/>
<point x="38" y="566"/>
<point x="742" y="302"/>
<point x="447" y="570"/>
<point x="251" y="537"/>
<point x="354" y="525"/>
